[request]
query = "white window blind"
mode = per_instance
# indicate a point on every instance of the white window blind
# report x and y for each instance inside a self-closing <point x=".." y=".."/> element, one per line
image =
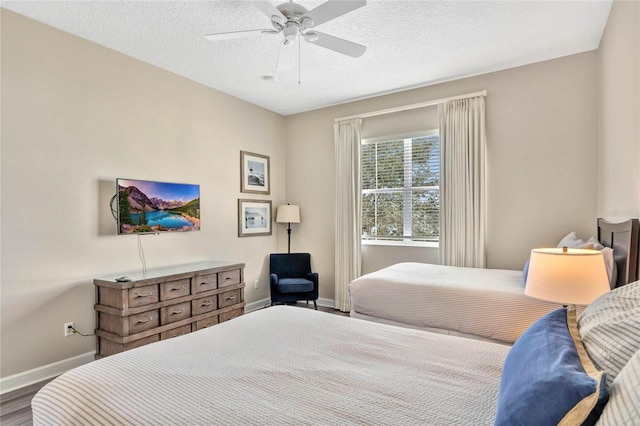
<point x="400" y="188"/>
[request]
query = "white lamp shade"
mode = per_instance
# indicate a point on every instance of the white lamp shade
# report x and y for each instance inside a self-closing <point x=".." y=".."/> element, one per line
<point x="288" y="213"/>
<point x="567" y="276"/>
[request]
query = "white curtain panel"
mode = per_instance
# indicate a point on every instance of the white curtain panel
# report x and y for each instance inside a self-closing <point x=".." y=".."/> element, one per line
<point x="348" y="203"/>
<point x="462" y="183"/>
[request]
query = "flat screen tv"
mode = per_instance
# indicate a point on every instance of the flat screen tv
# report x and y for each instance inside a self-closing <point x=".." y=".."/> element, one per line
<point x="148" y="207"/>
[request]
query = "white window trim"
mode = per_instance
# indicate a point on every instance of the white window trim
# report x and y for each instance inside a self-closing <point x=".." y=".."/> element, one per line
<point x="403" y="243"/>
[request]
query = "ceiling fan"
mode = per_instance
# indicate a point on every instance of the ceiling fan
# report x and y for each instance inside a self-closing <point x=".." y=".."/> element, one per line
<point x="295" y="23"/>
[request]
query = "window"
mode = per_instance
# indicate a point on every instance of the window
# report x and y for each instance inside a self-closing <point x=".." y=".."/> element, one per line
<point x="400" y="188"/>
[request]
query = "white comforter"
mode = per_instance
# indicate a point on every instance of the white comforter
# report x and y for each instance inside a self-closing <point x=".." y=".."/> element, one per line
<point x="285" y="366"/>
<point x="489" y="303"/>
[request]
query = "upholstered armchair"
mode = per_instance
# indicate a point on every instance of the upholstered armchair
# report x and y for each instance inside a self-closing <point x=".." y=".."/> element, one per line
<point x="291" y="278"/>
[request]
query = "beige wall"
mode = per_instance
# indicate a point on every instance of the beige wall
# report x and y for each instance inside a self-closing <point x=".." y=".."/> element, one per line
<point x="74" y="117"/>
<point x="619" y="114"/>
<point x="541" y="161"/>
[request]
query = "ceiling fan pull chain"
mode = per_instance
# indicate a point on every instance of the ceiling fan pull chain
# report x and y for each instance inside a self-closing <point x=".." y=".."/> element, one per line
<point x="299" y="58"/>
<point x="278" y="57"/>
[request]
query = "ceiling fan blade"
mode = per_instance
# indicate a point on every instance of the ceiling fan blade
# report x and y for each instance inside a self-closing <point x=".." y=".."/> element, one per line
<point x="339" y="45"/>
<point x="270" y="10"/>
<point x="238" y="34"/>
<point x="332" y="9"/>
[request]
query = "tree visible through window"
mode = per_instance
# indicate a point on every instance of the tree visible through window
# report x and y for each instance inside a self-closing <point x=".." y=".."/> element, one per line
<point x="400" y="188"/>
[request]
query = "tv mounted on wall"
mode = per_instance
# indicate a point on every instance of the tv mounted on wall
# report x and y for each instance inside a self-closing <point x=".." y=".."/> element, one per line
<point x="148" y="207"/>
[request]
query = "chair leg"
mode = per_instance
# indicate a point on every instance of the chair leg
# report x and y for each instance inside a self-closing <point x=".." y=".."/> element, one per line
<point x="315" y="305"/>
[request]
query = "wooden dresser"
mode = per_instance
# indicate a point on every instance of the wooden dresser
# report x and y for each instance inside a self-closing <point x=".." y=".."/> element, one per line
<point x="165" y="303"/>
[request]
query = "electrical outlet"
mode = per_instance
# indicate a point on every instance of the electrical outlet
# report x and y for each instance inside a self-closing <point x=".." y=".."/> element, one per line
<point x="256" y="284"/>
<point x="68" y="329"/>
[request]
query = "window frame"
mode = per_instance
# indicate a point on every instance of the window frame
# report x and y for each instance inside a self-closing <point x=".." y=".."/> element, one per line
<point x="406" y="191"/>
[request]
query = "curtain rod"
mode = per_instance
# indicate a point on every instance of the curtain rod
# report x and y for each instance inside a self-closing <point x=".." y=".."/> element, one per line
<point x="413" y="106"/>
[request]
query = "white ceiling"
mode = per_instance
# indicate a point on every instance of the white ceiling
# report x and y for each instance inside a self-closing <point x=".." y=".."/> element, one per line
<point x="409" y="43"/>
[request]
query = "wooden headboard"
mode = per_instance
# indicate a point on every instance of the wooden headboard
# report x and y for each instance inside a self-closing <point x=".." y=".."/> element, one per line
<point x="624" y="238"/>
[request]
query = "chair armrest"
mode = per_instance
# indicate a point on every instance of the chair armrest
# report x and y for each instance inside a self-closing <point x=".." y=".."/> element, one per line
<point x="273" y="278"/>
<point x="313" y="276"/>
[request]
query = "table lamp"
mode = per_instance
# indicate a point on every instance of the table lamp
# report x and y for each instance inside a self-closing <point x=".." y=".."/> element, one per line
<point x="288" y="214"/>
<point x="566" y="276"/>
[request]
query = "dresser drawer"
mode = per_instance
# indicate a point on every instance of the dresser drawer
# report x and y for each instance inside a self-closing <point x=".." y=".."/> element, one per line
<point x="229" y="315"/>
<point x="227" y="278"/>
<point x="143" y="321"/>
<point x="204" y="304"/>
<point x="140" y="296"/>
<point x="174" y="332"/>
<point x="207" y="322"/>
<point x="228" y="298"/>
<point x="205" y="283"/>
<point x="175" y="313"/>
<point x="107" y="347"/>
<point x="173" y="289"/>
<point x="125" y="326"/>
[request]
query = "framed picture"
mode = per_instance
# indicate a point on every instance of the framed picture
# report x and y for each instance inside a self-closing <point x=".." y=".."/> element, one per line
<point x="254" y="218"/>
<point x="254" y="173"/>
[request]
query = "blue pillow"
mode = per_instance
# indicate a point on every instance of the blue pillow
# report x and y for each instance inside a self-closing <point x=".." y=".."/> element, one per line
<point x="548" y="378"/>
<point x="525" y="270"/>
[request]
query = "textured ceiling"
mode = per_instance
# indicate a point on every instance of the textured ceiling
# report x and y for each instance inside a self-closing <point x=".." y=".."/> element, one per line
<point x="409" y="43"/>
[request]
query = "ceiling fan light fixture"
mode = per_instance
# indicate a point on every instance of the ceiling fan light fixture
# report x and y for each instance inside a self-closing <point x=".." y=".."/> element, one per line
<point x="310" y="36"/>
<point x="279" y="20"/>
<point x="291" y="32"/>
<point x="306" y="22"/>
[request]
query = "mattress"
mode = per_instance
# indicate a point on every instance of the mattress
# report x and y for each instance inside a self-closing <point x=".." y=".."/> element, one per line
<point x="288" y="366"/>
<point x="487" y="303"/>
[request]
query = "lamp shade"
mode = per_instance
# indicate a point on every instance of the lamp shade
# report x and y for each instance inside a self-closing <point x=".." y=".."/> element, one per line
<point x="288" y="213"/>
<point x="567" y="276"/>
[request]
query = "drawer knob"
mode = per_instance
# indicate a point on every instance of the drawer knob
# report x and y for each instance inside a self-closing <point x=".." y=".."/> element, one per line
<point x="177" y="288"/>
<point x="230" y="297"/>
<point x="177" y="312"/>
<point x="143" y="320"/>
<point x="228" y="278"/>
<point x="207" y="303"/>
<point x="144" y="294"/>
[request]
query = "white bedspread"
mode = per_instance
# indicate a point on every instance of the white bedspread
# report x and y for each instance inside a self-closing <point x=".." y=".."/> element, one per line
<point x="489" y="303"/>
<point x="284" y="366"/>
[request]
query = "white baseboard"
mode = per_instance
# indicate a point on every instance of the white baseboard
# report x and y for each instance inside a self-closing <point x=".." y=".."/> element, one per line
<point x="37" y="375"/>
<point x="327" y="303"/>
<point x="254" y="306"/>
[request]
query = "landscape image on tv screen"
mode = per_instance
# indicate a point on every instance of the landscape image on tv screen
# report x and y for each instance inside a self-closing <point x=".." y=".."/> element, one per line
<point x="153" y="207"/>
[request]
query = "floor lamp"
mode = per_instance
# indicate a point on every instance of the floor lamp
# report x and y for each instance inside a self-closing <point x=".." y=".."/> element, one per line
<point x="288" y="214"/>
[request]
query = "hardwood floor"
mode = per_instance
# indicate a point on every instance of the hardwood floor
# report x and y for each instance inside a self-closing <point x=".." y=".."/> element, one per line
<point x="15" y="407"/>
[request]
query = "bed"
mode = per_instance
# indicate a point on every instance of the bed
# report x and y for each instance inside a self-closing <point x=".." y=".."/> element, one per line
<point x="294" y="366"/>
<point x="486" y="304"/>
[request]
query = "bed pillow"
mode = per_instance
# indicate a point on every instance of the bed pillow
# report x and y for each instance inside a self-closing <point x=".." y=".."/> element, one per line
<point x="570" y="240"/>
<point x="610" y="328"/>
<point x="547" y="377"/>
<point x="623" y="407"/>
<point x="525" y="270"/>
